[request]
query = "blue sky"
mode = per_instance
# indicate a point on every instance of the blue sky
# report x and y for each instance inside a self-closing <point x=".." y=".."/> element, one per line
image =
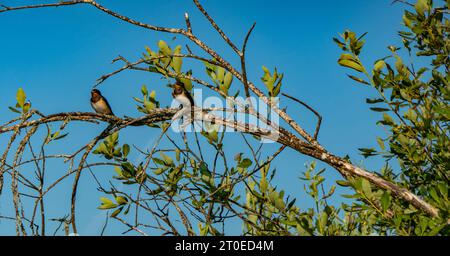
<point x="57" y="54"/>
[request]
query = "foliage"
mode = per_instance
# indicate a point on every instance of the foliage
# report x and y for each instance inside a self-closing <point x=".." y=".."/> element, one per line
<point x="414" y="105"/>
<point x="180" y="186"/>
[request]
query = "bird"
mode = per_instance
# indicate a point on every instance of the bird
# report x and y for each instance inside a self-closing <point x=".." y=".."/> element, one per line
<point x="182" y="95"/>
<point x="99" y="103"/>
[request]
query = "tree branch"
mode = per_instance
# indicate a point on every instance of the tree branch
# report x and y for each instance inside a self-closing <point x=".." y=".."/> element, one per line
<point x="319" y="117"/>
<point x="216" y="27"/>
<point x="311" y="147"/>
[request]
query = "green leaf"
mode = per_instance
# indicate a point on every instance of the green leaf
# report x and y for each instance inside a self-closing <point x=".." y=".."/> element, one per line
<point x="116" y="212"/>
<point x="339" y="43"/>
<point x="58" y="137"/>
<point x="385" y="201"/>
<point x="106" y="200"/>
<point x="388" y="119"/>
<point x="26" y="107"/>
<point x="373" y="101"/>
<point x="421" y="6"/>
<point x="443" y="110"/>
<point x="399" y="65"/>
<point x="366" y="152"/>
<point x="443" y="189"/>
<point x="144" y="90"/>
<point x="366" y="188"/>
<point x="291" y="203"/>
<point x="220" y="74"/>
<point x="323" y="220"/>
<point x="125" y="150"/>
<point x="436" y="229"/>
<point x="177" y="154"/>
<point x="204" y="169"/>
<point x="121" y="200"/>
<point x="263" y="185"/>
<point x="20" y="96"/>
<point x="357" y="79"/>
<point x="343" y="183"/>
<point x="410" y="211"/>
<point x="331" y="191"/>
<point x="349" y="61"/>
<point x="379" y="65"/>
<point x="152" y="95"/>
<point x="434" y="195"/>
<point x="407" y="21"/>
<point x="351" y="196"/>
<point x="149" y="105"/>
<point x="177" y="61"/>
<point x="168" y="161"/>
<point x="106" y="204"/>
<point x="403" y="139"/>
<point x="160" y="171"/>
<point x="245" y="163"/>
<point x="227" y="80"/>
<point x="164" y="48"/>
<point x="206" y="175"/>
<point x="380" y="109"/>
<point x="14" y="110"/>
<point x="380" y="143"/>
<point x="158" y="161"/>
<point x="238" y="157"/>
<point x="114" y="137"/>
<point x="101" y="149"/>
<point x="279" y="204"/>
<point x="117" y="152"/>
<point x="273" y="83"/>
<point x="138" y="100"/>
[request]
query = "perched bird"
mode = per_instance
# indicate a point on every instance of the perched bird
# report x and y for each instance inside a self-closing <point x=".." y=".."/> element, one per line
<point x="182" y="95"/>
<point x="99" y="103"/>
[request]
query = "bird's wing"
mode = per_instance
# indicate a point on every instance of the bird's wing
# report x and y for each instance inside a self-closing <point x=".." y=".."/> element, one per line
<point x="189" y="96"/>
<point x="107" y="104"/>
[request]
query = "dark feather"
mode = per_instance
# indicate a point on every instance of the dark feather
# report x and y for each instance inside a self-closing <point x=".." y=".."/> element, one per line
<point x="109" y="107"/>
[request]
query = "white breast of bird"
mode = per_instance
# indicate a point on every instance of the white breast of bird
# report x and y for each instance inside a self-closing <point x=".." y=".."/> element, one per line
<point x="183" y="100"/>
<point x="100" y="106"/>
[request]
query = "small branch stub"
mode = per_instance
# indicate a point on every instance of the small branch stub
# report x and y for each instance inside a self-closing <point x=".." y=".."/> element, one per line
<point x="188" y="22"/>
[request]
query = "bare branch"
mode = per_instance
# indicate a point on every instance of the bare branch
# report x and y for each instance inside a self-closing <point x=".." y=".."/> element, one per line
<point x="89" y="148"/>
<point x="63" y="3"/>
<point x="216" y="27"/>
<point x="402" y="1"/>
<point x="131" y="226"/>
<point x="127" y="66"/>
<point x="244" y="47"/>
<point x="243" y="66"/>
<point x="319" y="117"/>
<point x="188" y="22"/>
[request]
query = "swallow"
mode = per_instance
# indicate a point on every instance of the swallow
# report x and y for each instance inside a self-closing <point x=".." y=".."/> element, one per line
<point x="99" y="103"/>
<point x="182" y="95"/>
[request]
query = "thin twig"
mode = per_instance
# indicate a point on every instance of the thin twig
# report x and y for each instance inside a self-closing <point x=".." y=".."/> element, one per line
<point x="319" y="117"/>
<point x="216" y="27"/>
